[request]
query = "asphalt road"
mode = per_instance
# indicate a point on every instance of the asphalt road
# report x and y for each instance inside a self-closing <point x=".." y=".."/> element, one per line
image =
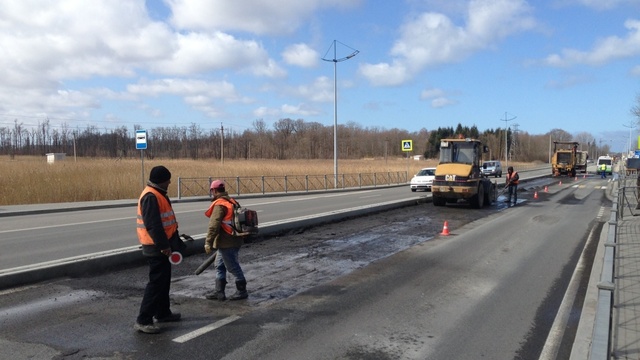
<point x="43" y="237"/>
<point x="490" y="290"/>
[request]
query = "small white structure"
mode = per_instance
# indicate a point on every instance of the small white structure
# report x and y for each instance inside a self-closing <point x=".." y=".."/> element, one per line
<point x="53" y="157"/>
<point x="418" y="157"/>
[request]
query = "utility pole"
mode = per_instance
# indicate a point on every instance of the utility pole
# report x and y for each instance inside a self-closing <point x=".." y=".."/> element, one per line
<point x="221" y="144"/>
<point x="506" y="144"/>
<point x="514" y="142"/>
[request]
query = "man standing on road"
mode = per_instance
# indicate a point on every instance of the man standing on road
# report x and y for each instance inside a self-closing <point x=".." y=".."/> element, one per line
<point x="221" y="238"/>
<point x="512" y="182"/>
<point x="603" y="171"/>
<point x="157" y="227"/>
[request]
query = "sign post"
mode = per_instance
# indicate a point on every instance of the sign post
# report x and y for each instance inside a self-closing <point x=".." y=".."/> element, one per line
<point x="141" y="144"/>
<point x="407" y="146"/>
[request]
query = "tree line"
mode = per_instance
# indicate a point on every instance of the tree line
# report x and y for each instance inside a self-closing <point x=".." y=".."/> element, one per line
<point x="286" y="139"/>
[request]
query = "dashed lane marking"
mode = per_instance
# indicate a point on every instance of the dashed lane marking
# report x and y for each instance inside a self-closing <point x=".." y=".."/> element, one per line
<point x="203" y="330"/>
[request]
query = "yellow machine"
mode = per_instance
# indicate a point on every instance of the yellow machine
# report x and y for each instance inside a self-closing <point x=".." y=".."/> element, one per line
<point x="459" y="176"/>
<point x="565" y="158"/>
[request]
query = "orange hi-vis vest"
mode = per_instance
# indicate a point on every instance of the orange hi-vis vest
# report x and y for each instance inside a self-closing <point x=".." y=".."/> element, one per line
<point x="167" y="215"/>
<point x="509" y="177"/>
<point x="227" y="220"/>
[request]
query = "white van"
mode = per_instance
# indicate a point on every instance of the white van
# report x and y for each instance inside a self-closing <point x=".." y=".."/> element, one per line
<point x="608" y="161"/>
<point x="492" y="168"/>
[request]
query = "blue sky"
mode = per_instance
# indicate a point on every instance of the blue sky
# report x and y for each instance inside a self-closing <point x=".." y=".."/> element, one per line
<point x="568" y="64"/>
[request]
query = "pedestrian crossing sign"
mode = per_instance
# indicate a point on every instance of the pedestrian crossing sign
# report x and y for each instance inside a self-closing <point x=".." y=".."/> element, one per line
<point x="407" y="145"/>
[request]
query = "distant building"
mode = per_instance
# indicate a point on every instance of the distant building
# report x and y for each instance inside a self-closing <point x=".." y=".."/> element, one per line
<point x="53" y="157"/>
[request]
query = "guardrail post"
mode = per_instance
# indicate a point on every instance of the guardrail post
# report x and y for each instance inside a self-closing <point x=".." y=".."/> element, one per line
<point x="262" y="178"/>
<point x="179" y="187"/>
<point x="285" y="184"/>
<point x="238" y="185"/>
<point x="306" y="182"/>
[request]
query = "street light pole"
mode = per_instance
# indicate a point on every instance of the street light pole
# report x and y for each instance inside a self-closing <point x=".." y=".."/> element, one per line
<point x="335" y="61"/>
<point x="630" y="126"/>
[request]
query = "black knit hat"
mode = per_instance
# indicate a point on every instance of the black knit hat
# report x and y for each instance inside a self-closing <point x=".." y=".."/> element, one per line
<point x="159" y="174"/>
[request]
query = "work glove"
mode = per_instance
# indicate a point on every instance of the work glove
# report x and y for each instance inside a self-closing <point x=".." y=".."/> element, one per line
<point x="207" y="249"/>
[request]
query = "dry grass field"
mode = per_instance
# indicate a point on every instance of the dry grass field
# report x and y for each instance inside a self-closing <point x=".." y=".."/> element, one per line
<point x="31" y="180"/>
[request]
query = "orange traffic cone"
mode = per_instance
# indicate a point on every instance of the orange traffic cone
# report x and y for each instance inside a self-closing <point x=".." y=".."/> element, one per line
<point x="560" y="182"/>
<point x="445" y="229"/>
<point x="535" y="195"/>
<point x="546" y="189"/>
<point x="575" y="178"/>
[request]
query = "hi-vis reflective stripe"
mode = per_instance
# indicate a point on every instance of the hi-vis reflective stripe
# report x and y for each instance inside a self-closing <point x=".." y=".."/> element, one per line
<point x="171" y="221"/>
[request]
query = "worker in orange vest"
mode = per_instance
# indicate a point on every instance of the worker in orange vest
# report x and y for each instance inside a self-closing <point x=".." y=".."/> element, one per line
<point x="157" y="230"/>
<point x="512" y="182"/>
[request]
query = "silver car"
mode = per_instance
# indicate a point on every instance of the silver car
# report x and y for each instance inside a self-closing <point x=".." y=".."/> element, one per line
<point x="423" y="179"/>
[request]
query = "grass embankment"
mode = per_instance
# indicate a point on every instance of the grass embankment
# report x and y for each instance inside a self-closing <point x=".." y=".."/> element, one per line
<point x="30" y="180"/>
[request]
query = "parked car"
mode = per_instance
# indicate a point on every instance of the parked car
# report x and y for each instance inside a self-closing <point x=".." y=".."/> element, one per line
<point x="423" y="179"/>
<point x="492" y="168"/>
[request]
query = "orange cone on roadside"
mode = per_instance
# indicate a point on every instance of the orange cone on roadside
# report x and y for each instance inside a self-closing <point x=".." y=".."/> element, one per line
<point x="575" y="178"/>
<point x="546" y="188"/>
<point x="560" y="182"/>
<point x="535" y="195"/>
<point x="445" y="229"/>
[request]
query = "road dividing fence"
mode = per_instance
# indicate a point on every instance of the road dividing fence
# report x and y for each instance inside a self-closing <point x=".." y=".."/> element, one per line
<point x="239" y="185"/>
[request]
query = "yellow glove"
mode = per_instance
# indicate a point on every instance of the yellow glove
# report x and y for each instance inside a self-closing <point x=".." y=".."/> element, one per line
<point x="207" y="249"/>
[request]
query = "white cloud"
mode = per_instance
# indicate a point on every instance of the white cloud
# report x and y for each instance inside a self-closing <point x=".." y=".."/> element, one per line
<point x="258" y="17"/>
<point x="220" y="89"/>
<point x="299" y="110"/>
<point x="441" y="102"/>
<point x="321" y="90"/>
<point x="301" y="55"/>
<point x="264" y="111"/>
<point x="432" y="38"/>
<point x="604" y="51"/>
<point x="200" y="95"/>
<point x="431" y="93"/>
<point x="199" y="53"/>
<point x="438" y="97"/>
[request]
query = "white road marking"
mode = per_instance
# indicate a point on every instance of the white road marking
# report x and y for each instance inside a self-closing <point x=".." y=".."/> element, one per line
<point x="203" y="330"/>
<point x="70" y="224"/>
<point x="132" y="218"/>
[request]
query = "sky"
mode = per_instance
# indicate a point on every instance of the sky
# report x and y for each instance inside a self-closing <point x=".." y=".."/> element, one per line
<point x="533" y="66"/>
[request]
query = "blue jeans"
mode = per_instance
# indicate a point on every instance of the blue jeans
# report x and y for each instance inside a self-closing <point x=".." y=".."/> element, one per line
<point x="227" y="260"/>
<point x="513" y="190"/>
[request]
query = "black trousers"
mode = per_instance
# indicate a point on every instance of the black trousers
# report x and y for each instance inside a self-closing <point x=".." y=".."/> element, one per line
<point x="155" y="301"/>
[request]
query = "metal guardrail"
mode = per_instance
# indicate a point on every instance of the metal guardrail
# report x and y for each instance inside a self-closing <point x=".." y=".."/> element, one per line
<point x="626" y="196"/>
<point x="601" y="338"/>
<point x="290" y="183"/>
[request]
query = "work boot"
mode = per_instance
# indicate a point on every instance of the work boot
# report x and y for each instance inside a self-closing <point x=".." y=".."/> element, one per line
<point x="241" y="292"/>
<point x="146" y="328"/>
<point x="218" y="293"/>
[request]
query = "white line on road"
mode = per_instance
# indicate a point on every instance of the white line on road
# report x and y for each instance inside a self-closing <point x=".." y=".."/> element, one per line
<point x="203" y="330"/>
